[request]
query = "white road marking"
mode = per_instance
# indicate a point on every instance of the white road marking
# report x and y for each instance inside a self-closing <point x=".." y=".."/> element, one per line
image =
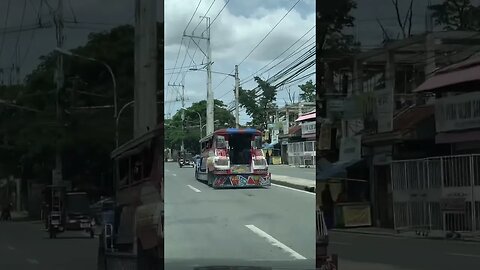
<point x="193" y="188"/>
<point x="174" y="174"/>
<point x="167" y="170"/>
<point x="275" y="242"/>
<point x="294" y="189"/>
<point x="11" y="248"/>
<point x="340" y="243"/>
<point x="464" y="255"/>
<point x="32" y="261"/>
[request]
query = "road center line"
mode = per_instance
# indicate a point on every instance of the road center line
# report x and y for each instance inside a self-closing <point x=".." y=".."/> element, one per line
<point x="11" y="248"/>
<point x="275" y="242"/>
<point x="32" y="261"/>
<point x="464" y="255"/>
<point x="294" y="189"/>
<point x="193" y="188"/>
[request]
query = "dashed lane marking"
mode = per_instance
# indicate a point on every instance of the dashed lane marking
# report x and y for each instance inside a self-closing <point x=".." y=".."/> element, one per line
<point x="465" y="255"/>
<point x="275" y="242"/>
<point x="193" y="188"/>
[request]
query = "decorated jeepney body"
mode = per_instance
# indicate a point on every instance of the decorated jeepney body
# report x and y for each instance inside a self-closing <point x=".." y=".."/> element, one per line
<point x="233" y="158"/>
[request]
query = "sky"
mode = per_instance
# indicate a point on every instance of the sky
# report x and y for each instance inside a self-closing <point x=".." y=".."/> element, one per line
<point x="235" y="32"/>
<point x="369" y="32"/>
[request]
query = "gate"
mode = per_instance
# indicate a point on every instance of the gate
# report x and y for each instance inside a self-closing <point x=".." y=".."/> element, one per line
<point x="437" y="194"/>
<point x="301" y="153"/>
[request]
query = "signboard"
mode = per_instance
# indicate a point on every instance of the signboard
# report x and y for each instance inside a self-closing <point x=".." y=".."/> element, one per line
<point x="356" y="215"/>
<point x="335" y="105"/>
<point x="350" y="148"/>
<point x="275" y="133"/>
<point x="285" y="128"/>
<point x="457" y="112"/>
<point x="308" y="128"/>
<point x="353" y="108"/>
<point x="384" y="104"/>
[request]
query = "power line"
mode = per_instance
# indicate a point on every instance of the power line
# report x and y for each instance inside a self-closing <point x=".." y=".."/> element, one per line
<point x="283" y="52"/>
<point x="218" y="14"/>
<point x="191" y="18"/>
<point x="203" y="17"/>
<point x="258" y="44"/>
<point x="15" y="55"/>
<point x="271" y="30"/>
<point x="4" y="27"/>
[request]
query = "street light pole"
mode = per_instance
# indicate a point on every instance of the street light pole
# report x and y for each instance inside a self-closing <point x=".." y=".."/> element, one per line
<point x="57" y="176"/>
<point x="118" y="118"/>
<point x="110" y="71"/>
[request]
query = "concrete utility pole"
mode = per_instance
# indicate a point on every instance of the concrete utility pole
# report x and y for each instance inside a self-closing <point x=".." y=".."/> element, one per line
<point x="57" y="176"/>
<point x="210" y="97"/>
<point x="182" y="147"/>
<point x="146" y="46"/>
<point x="237" y="98"/>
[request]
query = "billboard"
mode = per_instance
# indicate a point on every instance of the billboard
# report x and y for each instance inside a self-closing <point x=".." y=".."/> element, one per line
<point x="457" y="112"/>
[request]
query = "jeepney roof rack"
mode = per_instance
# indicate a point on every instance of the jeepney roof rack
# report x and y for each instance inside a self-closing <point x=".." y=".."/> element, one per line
<point x="130" y="145"/>
<point x="225" y="131"/>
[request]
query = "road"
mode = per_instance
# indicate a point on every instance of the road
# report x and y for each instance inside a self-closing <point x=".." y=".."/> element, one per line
<point x="249" y="225"/>
<point x="377" y="252"/>
<point x="294" y="172"/>
<point x="24" y="246"/>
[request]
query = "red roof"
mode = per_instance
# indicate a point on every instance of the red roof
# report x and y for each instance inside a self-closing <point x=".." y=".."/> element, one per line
<point x="465" y="71"/>
<point x="307" y="116"/>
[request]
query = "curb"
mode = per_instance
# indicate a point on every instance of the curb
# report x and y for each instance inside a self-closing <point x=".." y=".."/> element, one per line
<point x="299" y="187"/>
<point x="407" y="236"/>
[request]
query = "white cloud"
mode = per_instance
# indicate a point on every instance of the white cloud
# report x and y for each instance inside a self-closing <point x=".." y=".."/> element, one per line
<point x="238" y="29"/>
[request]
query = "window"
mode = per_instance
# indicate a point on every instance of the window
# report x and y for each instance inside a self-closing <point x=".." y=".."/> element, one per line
<point x="220" y="142"/>
<point x="258" y="142"/>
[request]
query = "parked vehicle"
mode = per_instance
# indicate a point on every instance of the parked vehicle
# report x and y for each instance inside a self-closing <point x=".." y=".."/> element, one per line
<point x="233" y="157"/>
<point x="185" y="159"/>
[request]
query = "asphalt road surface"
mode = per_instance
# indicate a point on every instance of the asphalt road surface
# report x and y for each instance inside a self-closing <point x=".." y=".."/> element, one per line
<point x="294" y="172"/>
<point x="246" y="225"/>
<point x="24" y="246"/>
<point x="377" y="252"/>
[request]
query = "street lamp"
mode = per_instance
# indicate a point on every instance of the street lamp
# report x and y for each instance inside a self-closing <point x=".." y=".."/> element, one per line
<point x="106" y="66"/>
<point x="118" y="118"/>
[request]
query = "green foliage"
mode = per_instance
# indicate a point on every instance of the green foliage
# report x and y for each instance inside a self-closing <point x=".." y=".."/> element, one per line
<point x="86" y="136"/>
<point x="259" y="104"/>
<point x="457" y="15"/>
<point x="191" y="134"/>
<point x="308" y="91"/>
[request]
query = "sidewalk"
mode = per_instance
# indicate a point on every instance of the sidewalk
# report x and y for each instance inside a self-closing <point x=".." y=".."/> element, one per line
<point x="440" y="235"/>
<point x="297" y="183"/>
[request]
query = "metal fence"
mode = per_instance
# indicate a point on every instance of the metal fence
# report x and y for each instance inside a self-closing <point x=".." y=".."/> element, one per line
<point x="437" y="194"/>
<point x="302" y="153"/>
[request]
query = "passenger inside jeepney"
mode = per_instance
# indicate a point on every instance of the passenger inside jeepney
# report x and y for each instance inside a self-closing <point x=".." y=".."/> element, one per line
<point x="239" y="149"/>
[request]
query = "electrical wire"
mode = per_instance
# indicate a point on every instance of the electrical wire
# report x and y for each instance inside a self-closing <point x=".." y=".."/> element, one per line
<point x="5" y="27"/>
<point x="218" y="14"/>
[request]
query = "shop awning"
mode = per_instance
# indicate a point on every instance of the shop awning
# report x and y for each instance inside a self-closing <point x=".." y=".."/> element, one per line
<point x="336" y="170"/>
<point x="307" y="117"/>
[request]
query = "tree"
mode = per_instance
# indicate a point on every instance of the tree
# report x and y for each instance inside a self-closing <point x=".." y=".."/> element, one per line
<point x="86" y="136"/>
<point x="259" y="102"/>
<point x="191" y="134"/>
<point x="308" y="91"/>
<point x="457" y="15"/>
<point x="332" y="17"/>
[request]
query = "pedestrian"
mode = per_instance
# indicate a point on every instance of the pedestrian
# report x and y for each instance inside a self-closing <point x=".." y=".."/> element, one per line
<point x="327" y="206"/>
<point x="267" y="157"/>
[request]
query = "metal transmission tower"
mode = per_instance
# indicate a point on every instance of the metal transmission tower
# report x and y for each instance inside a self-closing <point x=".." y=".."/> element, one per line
<point x="182" y="147"/>
<point x="208" y="54"/>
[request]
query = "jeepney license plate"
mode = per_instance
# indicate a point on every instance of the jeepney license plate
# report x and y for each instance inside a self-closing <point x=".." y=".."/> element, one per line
<point x="84" y="225"/>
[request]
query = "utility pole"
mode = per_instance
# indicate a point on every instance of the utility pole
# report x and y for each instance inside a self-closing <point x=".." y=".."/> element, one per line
<point x="237" y="98"/>
<point x="210" y="98"/>
<point x="182" y="147"/>
<point x="146" y="48"/>
<point x="57" y="176"/>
